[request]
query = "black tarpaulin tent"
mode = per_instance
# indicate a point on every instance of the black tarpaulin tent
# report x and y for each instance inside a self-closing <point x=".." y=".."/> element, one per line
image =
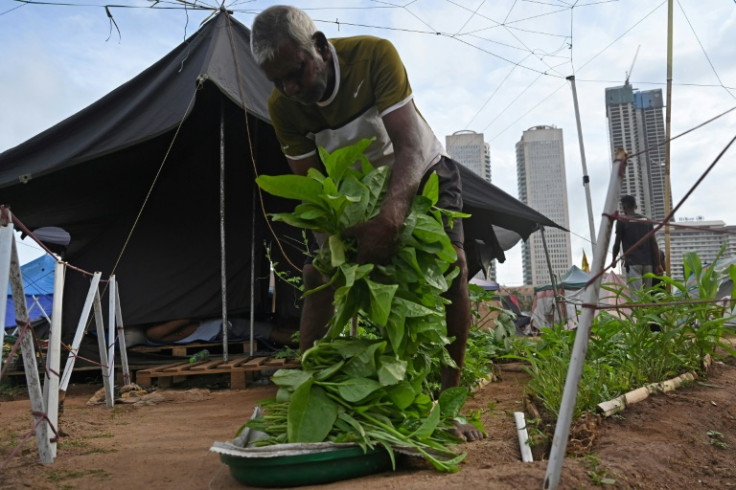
<point x="156" y="144"/>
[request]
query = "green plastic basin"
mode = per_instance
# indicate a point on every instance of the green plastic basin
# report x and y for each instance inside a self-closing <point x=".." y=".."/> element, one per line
<point x="307" y="469"/>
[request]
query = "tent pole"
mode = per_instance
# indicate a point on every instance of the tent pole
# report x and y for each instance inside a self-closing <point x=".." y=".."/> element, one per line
<point x="551" y="276"/>
<point x="252" y="266"/>
<point x="580" y="347"/>
<point x="223" y="268"/>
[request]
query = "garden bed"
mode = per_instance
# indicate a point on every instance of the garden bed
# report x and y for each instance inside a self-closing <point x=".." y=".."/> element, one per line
<point x="667" y="441"/>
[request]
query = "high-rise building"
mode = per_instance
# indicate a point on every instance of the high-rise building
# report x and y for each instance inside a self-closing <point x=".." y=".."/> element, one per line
<point x="636" y="124"/>
<point x="469" y="149"/>
<point x="700" y="236"/>
<point x="540" y="170"/>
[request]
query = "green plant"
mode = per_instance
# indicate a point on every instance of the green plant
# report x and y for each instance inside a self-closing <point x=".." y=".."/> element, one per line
<point x="596" y="473"/>
<point x="633" y="346"/>
<point x="716" y="439"/>
<point x="370" y="390"/>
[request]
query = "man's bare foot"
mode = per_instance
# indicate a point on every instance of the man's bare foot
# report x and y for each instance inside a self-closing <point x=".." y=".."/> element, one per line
<point x="467" y="432"/>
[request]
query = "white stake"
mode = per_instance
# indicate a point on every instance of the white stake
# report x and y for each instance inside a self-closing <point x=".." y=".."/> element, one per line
<point x="526" y="450"/>
<point x="53" y="357"/>
<point x="79" y="333"/>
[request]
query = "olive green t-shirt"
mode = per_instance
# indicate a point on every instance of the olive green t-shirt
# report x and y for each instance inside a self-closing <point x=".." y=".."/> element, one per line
<point x="370" y="82"/>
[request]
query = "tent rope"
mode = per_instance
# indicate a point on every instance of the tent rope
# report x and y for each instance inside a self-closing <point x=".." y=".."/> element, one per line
<point x="155" y="178"/>
<point x="241" y="93"/>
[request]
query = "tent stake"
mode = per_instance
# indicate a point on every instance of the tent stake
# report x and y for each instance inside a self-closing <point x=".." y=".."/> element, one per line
<point x="580" y="347"/>
<point x="53" y="356"/>
<point x="38" y="406"/>
<point x="6" y="245"/>
<point x="102" y="345"/>
<point x="121" y="338"/>
<point x="69" y="366"/>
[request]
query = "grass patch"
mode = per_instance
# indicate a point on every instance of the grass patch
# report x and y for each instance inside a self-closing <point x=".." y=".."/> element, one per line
<point x="73" y="443"/>
<point x="99" y="450"/>
<point x="103" y="435"/>
<point x="62" y="475"/>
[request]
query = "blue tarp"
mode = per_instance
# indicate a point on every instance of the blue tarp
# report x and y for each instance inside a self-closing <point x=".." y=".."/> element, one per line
<point x="38" y="283"/>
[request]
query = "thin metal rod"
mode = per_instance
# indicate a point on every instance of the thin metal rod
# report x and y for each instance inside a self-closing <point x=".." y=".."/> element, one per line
<point x="552" y="277"/>
<point x="667" y="133"/>
<point x="223" y="261"/>
<point x="252" y="267"/>
<point x="586" y="178"/>
<point x="580" y="347"/>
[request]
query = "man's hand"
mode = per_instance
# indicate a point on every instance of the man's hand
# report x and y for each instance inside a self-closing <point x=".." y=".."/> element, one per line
<point x="377" y="239"/>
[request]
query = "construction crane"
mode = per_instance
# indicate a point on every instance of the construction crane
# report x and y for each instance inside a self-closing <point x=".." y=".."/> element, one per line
<point x="628" y="73"/>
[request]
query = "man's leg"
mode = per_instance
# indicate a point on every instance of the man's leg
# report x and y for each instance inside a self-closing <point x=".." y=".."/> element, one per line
<point x="646" y="281"/>
<point x="633" y="278"/>
<point x="316" y="310"/>
<point x="458" y="318"/>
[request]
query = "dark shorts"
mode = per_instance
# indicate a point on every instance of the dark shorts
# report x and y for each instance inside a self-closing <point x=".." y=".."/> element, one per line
<point x="451" y="195"/>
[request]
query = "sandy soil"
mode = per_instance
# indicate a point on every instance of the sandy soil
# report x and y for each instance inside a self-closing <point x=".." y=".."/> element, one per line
<point x="686" y="439"/>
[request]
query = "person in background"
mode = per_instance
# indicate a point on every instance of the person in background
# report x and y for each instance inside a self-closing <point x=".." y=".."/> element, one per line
<point x="333" y="93"/>
<point x="645" y="258"/>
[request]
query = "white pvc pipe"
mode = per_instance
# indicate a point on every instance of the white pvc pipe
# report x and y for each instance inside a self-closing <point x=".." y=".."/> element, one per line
<point x="526" y="450"/>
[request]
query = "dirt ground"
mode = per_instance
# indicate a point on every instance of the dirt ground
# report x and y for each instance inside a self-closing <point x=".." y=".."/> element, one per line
<point x="686" y="439"/>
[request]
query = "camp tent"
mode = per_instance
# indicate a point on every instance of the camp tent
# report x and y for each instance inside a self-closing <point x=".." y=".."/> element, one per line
<point x="570" y="289"/>
<point x="38" y="285"/>
<point x="135" y="179"/>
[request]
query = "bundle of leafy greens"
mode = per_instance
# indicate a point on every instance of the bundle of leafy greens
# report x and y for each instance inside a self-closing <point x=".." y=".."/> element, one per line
<point x="370" y="391"/>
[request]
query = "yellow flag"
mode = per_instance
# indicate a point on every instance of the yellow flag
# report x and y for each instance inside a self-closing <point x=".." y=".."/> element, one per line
<point x="585" y="267"/>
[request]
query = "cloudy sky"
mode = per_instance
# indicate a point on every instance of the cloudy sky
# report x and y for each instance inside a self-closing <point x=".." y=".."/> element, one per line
<point x="495" y="67"/>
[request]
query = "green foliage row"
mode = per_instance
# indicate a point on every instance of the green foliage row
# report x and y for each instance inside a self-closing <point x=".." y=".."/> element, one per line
<point x="635" y="346"/>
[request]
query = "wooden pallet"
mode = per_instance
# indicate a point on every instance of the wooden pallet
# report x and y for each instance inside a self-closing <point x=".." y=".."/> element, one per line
<point x="181" y="350"/>
<point x="241" y="370"/>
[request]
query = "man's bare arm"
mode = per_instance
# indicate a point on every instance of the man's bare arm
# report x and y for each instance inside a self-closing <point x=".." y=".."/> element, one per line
<point x="301" y="166"/>
<point x="402" y="126"/>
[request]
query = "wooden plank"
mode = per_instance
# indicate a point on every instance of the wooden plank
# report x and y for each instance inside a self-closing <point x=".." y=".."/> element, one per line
<point x="256" y="361"/>
<point x="241" y="370"/>
<point x="241" y="347"/>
